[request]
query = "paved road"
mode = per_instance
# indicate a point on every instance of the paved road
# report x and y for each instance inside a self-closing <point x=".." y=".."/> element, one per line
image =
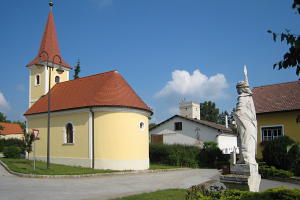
<point x="106" y="187"/>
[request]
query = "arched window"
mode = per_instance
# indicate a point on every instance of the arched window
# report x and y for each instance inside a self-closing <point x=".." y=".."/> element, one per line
<point x="37" y="80"/>
<point x="57" y="79"/>
<point x="69" y="133"/>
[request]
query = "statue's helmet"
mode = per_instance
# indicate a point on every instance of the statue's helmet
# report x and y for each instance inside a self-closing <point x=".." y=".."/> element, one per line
<point x="242" y="84"/>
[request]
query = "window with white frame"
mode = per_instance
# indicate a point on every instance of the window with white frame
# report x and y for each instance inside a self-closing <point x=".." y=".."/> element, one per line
<point x="271" y="133"/>
<point x="37" y="80"/>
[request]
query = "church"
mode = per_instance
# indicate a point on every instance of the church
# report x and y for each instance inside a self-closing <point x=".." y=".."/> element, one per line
<point x="96" y="121"/>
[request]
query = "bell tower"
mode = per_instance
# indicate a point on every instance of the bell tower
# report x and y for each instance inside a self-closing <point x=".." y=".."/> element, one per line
<point x="48" y="58"/>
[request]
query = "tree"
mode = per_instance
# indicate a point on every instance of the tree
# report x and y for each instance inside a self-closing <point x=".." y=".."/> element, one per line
<point x="77" y="70"/>
<point x="209" y="112"/>
<point x="28" y="139"/>
<point x="3" y="118"/>
<point x="292" y="57"/>
<point x="152" y="125"/>
<point x="222" y="118"/>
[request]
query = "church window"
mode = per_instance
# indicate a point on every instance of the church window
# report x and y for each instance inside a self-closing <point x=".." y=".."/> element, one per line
<point x="178" y="126"/>
<point x="57" y="79"/>
<point x="37" y="80"/>
<point x="271" y="133"/>
<point x="142" y="126"/>
<point x="69" y="133"/>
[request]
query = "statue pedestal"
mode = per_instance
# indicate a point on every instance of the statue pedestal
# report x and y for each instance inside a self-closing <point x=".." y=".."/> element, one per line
<point x="242" y="176"/>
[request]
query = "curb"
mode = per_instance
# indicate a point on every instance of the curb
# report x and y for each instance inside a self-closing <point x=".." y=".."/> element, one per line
<point x="294" y="180"/>
<point x="88" y="175"/>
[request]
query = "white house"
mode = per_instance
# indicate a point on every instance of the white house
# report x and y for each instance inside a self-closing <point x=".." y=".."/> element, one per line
<point x="201" y="130"/>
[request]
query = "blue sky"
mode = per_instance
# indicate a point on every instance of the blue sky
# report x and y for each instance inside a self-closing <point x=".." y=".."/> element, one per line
<point x="167" y="50"/>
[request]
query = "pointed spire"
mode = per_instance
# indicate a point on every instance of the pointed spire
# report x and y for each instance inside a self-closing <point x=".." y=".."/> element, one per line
<point x="49" y="42"/>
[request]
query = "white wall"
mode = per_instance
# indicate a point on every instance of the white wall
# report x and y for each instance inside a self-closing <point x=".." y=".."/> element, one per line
<point x="189" y="128"/>
<point x="227" y="142"/>
<point x="180" y="139"/>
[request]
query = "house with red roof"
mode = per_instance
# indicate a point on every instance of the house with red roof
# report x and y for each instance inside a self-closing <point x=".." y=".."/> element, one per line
<point x="96" y="121"/>
<point x="278" y="111"/>
<point x="11" y="130"/>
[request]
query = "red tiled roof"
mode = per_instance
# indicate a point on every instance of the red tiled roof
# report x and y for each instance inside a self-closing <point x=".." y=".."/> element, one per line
<point x="105" y="89"/>
<point x="49" y="44"/>
<point x="10" y="128"/>
<point x="277" y="97"/>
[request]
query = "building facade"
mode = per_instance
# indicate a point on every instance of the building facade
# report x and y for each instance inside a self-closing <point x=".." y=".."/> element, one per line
<point x="278" y="112"/>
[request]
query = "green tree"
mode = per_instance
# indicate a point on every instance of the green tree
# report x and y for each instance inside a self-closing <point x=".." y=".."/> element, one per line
<point x="77" y="70"/>
<point x="152" y="125"/>
<point x="209" y="111"/>
<point x="28" y="140"/>
<point x="3" y="118"/>
<point x="292" y="57"/>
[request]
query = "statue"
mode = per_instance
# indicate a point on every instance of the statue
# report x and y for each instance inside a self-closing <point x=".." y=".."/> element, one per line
<point x="245" y="117"/>
<point x="245" y="170"/>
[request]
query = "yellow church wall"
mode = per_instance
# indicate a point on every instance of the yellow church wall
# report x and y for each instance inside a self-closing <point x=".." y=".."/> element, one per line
<point x="36" y="90"/>
<point x="60" y="150"/>
<point x="64" y="76"/>
<point x="287" y="119"/>
<point x="120" y="143"/>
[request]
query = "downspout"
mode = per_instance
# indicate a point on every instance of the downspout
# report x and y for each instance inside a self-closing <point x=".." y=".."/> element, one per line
<point x="92" y="137"/>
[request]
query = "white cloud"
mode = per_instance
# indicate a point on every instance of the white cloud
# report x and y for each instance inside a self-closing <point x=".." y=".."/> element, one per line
<point x="195" y="86"/>
<point x="3" y="102"/>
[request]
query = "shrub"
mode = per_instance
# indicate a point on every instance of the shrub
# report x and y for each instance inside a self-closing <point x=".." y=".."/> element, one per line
<point x="176" y="155"/>
<point x="12" y="152"/>
<point x="275" y="152"/>
<point x="211" y="156"/>
<point x="269" y="172"/>
<point x="270" y="194"/>
<point x="2" y="144"/>
<point x="293" y="158"/>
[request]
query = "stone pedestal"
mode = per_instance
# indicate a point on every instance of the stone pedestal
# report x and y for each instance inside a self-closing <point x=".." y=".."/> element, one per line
<point x="242" y="176"/>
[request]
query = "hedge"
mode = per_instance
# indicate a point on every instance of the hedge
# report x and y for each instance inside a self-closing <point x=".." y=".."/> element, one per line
<point x="187" y="156"/>
<point x="269" y="172"/>
<point x="12" y="152"/>
<point x="176" y="155"/>
<point x="270" y="194"/>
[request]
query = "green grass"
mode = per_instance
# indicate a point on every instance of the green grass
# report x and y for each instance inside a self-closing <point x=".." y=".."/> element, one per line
<point x="171" y="194"/>
<point x="26" y="167"/>
<point x="156" y="166"/>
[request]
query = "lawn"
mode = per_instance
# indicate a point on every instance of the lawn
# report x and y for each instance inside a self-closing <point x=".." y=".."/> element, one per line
<point x="171" y="194"/>
<point x="156" y="166"/>
<point x="26" y="167"/>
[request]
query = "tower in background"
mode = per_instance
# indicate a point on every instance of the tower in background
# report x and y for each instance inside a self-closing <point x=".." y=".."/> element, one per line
<point x="190" y="109"/>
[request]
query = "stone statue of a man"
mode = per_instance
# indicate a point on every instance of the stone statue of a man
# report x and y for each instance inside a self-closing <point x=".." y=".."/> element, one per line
<point x="245" y="117"/>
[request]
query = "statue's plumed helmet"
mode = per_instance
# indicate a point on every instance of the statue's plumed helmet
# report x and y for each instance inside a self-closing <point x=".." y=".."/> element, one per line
<point x="242" y="84"/>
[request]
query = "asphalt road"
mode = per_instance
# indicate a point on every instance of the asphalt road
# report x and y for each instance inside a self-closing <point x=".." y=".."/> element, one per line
<point x="103" y="187"/>
<point x="106" y="187"/>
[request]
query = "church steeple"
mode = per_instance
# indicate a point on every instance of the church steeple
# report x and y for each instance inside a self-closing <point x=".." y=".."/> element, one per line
<point x="39" y="71"/>
<point x="49" y="43"/>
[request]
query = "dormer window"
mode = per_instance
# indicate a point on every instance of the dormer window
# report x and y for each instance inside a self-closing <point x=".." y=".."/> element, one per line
<point x="37" y="80"/>
<point x="57" y="79"/>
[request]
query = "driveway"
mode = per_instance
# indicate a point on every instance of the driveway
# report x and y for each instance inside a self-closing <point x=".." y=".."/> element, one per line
<point x="102" y="187"/>
<point x="107" y="187"/>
